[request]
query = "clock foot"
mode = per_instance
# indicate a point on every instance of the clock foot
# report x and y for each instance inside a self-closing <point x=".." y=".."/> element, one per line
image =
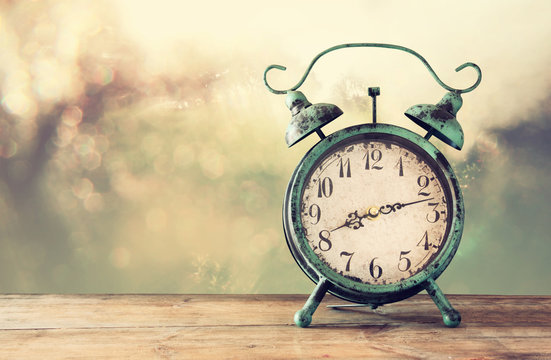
<point x="450" y="316"/>
<point x="303" y="317"/>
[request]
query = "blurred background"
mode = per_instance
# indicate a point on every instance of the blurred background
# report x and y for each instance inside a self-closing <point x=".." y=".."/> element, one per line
<point x="140" y="151"/>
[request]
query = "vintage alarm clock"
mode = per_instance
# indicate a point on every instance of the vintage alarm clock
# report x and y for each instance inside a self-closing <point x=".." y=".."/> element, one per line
<point x="373" y="213"/>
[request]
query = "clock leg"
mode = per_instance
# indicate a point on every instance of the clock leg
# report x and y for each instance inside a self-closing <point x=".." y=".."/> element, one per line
<point x="451" y="317"/>
<point x="303" y="317"/>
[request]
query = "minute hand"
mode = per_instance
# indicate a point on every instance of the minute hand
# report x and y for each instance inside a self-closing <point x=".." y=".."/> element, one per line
<point x="397" y="206"/>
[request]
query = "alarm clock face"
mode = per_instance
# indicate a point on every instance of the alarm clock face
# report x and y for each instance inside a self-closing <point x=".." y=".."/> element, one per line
<point x="376" y="208"/>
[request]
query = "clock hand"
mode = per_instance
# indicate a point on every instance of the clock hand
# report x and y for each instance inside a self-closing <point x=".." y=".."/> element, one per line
<point x="398" y="206"/>
<point x="354" y="220"/>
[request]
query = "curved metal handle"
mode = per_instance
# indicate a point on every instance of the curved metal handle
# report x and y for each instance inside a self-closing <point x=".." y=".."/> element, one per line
<point x="388" y="46"/>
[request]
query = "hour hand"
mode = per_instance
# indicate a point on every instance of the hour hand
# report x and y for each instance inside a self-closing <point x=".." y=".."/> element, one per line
<point x="387" y="209"/>
<point x="354" y="220"/>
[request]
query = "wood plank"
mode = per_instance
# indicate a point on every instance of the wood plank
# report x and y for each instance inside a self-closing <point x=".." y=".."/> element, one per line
<point x="261" y="326"/>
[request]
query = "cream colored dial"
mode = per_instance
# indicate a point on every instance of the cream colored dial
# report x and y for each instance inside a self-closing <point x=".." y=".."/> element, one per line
<point x="376" y="210"/>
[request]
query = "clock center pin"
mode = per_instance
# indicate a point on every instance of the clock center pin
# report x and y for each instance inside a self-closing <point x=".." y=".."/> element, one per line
<point x="373" y="213"/>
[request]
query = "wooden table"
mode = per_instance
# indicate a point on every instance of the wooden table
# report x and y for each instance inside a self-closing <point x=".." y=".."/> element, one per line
<point x="261" y="326"/>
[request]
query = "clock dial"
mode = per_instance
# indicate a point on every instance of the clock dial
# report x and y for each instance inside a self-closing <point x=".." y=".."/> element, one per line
<point x="376" y="210"/>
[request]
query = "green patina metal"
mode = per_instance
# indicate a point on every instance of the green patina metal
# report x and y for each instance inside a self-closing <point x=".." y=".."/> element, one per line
<point x="340" y="285"/>
<point x="440" y="121"/>
<point x="374" y="92"/>
<point x="303" y="317"/>
<point x="307" y="118"/>
<point x="450" y="316"/>
<point x="375" y="45"/>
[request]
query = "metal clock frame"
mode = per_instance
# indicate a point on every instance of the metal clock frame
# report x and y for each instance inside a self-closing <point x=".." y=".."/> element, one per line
<point x="355" y="291"/>
<point x="438" y="120"/>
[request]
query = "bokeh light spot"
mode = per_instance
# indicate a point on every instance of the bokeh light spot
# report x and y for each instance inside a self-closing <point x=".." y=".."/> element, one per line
<point x="84" y="144"/>
<point x="83" y="188"/>
<point x="94" y="202"/>
<point x="102" y="75"/>
<point x="18" y="103"/>
<point x="72" y="116"/>
<point x="91" y="161"/>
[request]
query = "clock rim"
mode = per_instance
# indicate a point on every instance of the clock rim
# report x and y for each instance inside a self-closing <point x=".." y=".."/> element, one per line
<point x="345" y="287"/>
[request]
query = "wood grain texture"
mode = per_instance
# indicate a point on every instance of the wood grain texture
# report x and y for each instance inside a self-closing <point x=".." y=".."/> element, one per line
<point x="261" y="326"/>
